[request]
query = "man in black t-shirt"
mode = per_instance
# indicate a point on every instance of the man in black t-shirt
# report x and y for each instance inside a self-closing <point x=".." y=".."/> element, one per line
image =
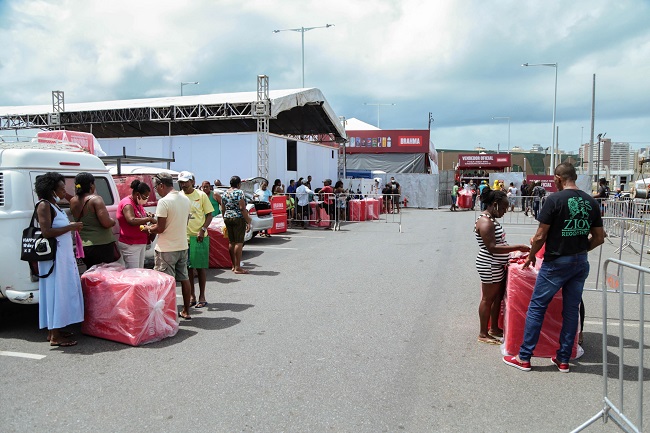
<point x="570" y="224"/>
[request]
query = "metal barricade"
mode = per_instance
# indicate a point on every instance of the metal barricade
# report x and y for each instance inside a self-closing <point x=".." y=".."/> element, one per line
<point x="615" y="282"/>
<point x="332" y="211"/>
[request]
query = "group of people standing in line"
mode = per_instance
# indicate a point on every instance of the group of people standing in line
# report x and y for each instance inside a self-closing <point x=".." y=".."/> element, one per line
<point x="565" y="266"/>
<point x="181" y="220"/>
<point x="530" y="194"/>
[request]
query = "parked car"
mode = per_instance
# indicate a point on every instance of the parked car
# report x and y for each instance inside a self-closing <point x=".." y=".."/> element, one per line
<point x="22" y="160"/>
<point x="260" y="213"/>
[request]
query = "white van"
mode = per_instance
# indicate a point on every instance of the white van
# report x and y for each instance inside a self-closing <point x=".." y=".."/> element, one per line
<point x="21" y="161"/>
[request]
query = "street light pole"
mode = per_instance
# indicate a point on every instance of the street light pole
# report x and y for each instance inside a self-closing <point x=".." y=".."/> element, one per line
<point x="302" y="31"/>
<point x="185" y="83"/>
<point x="505" y="117"/>
<point x="553" y="65"/>
<point x="378" y="105"/>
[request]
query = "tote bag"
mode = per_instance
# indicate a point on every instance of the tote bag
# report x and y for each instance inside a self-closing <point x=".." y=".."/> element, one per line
<point x="36" y="248"/>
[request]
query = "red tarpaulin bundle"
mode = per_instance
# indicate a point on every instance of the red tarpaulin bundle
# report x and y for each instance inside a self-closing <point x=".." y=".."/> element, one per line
<point x="219" y="254"/>
<point x="372" y="209"/>
<point x="464" y="199"/>
<point x="130" y="306"/>
<point x="357" y="210"/>
<point x="519" y="291"/>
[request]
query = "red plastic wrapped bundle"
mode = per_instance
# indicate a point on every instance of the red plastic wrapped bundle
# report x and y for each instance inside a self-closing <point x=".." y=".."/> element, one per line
<point x="130" y="306"/>
<point x="279" y="224"/>
<point x="381" y="204"/>
<point x="357" y="210"/>
<point x="372" y="209"/>
<point x="219" y="254"/>
<point x="316" y="212"/>
<point x="464" y="199"/>
<point x="521" y="283"/>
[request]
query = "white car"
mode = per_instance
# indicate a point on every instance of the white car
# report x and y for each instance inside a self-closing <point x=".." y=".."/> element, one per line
<point x="260" y="220"/>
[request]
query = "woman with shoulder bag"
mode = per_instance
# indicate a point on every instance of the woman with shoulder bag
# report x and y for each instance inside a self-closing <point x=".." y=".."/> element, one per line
<point x="60" y="297"/>
<point x="131" y="215"/>
<point x="98" y="240"/>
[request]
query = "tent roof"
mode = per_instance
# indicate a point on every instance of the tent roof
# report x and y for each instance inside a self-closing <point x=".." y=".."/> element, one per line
<point x="355" y="124"/>
<point x="293" y="112"/>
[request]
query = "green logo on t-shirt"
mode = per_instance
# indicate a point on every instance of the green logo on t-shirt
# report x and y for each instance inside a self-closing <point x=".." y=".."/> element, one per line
<point x="578" y="223"/>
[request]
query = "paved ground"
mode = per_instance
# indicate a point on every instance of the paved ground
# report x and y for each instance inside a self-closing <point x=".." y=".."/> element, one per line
<point x="363" y="330"/>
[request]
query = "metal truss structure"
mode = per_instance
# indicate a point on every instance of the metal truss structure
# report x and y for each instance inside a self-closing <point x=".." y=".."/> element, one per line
<point x="263" y="113"/>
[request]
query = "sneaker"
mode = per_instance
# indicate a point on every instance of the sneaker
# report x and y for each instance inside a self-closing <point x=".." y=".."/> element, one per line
<point x="562" y="366"/>
<point x="513" y="362"/>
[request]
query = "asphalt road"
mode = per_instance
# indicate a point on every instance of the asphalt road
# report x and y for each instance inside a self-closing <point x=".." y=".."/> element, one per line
<point x="363" y="330"/>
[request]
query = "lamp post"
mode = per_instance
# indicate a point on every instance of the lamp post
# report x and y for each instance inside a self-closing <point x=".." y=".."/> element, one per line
<point x="378" y="106"/>
<point x="552" y="65"/>
<point x="185" y="83"/>
<point x="302" y="31"/>
<point x="505" y="117"/>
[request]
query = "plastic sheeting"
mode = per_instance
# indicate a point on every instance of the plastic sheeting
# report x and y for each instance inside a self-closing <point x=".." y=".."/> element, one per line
<point x="130" y="306"/>
<point x="388" y="162"/>
<point x="421" y="190"/>
<point x="520" y="285"/>
<point x="219" y="253"/>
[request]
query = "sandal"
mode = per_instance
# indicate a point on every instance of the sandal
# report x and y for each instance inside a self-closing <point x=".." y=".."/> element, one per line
<point x="186" y="317"/>
<point x="487" y="340"/>
<point x="63" y="343"/>
<point x="64" y="334"/>
<point x="201" y="304"/>
<point x="495" y="334"/>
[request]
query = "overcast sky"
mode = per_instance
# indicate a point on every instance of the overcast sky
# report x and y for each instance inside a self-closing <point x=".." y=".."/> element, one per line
<point x="458" y="59"/>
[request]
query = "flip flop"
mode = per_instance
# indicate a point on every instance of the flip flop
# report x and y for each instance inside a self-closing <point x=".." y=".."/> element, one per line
<point x="243" y="271"/>
<point x="64" y="334"/>
<point x="201" y="304"/>
<point x="495" y="335"/>
<point x="491" y="341"/>
<point x="192" y="303"/>
<point x="186" y="317"/>
<point x="66" y="343"/>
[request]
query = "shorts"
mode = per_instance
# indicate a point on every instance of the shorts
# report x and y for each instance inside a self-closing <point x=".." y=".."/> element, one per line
<point x="511" y="200"/>
<point x="172" y="263"/>
<point x="236" y="229"/>
<point x="303" y="212"/>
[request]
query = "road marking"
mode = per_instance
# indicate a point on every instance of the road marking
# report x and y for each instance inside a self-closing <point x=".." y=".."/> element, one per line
<point x="21" y="355"/>
<point x="612" y="323"/>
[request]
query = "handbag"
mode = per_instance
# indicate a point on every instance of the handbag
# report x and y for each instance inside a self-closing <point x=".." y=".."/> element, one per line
<point x="36" y="248"/>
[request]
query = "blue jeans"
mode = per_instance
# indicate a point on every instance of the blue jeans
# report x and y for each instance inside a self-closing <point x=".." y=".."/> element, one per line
<point x="569" y="274"/>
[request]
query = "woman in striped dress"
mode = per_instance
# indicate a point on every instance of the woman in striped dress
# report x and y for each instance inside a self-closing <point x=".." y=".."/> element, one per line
<point x="491" y="262"/>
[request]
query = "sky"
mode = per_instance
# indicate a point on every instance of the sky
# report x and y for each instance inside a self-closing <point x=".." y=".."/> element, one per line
<point x="459" y="60"/>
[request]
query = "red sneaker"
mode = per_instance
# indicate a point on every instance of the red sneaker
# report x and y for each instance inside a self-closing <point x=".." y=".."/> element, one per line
<point x="513" y="362"/>
<point x="562" y="366"/>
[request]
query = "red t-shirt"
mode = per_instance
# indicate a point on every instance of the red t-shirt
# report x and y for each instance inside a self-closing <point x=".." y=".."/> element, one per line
<point x="328" y="194"/>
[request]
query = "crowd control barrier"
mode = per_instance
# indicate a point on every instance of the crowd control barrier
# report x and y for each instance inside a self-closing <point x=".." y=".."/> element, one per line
<point x="339" y="209"/>
<point x="616" y="411"/>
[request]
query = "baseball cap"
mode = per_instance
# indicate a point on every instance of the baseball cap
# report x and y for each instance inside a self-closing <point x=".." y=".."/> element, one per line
<point x="184" y="176"/>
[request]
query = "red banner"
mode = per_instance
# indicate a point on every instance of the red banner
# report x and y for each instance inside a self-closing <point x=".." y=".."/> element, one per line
<point x="484" y="160"/>
<point x="547" y="181"/>
<point x="388" y="141"/>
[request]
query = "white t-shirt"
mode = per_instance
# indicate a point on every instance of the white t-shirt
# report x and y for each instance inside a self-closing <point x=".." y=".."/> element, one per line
<point x="512" y="191"/>
<point x="176" y="208"/>
<point x="302" y="194"/>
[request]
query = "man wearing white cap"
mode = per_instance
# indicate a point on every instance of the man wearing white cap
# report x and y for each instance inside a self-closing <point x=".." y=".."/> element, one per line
<point x="197" y="228"/>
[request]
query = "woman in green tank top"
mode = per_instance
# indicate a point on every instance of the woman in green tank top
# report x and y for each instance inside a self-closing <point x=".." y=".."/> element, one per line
<point x="97" y="236"/>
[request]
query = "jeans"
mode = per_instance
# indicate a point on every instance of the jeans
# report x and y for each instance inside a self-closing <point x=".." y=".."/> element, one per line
<point x="569" y="274"/>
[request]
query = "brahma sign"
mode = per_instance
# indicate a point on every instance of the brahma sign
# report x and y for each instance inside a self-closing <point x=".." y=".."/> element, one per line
<point x="388" y="141"/>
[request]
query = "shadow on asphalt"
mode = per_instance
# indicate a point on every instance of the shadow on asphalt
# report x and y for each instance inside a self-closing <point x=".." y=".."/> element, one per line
<point x="235" y="308"/>
<point x="591" y="361"/>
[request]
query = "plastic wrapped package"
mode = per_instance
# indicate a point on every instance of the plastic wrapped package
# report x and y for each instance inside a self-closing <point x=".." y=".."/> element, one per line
<point x="315" y="213"/>
<point x="381" y="204"/>
<point x="464" y="199"/>
<point x="519" y="291"/>
<point x="372" y="209"/>
<point x="130" y="306"/>
<point x="219" y="253"/>
<point x="279" y="224"/>
<point x="357" y="210"/>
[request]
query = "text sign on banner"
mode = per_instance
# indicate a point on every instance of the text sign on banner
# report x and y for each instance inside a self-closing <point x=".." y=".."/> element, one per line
<point x="388" y="141"/>
<point x="481" y="160"/>
<point x="547" y="181"/>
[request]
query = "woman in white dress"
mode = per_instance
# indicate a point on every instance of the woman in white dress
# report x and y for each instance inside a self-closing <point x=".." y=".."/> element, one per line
<point x="60" y="297"/>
